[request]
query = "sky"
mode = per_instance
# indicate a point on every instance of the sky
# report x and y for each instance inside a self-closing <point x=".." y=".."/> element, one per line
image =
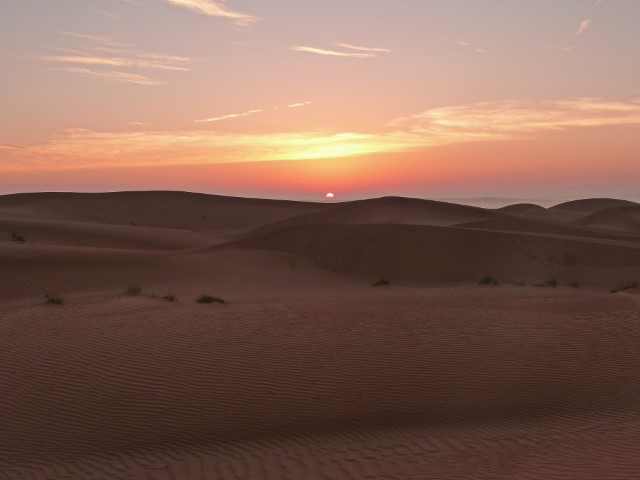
<point x="536" y="99"/>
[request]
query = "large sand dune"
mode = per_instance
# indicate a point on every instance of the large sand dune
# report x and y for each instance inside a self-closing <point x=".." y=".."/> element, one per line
<point x="309" y="372"/>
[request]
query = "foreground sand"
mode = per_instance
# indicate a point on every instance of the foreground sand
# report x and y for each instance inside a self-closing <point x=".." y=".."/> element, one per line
<point x="308" y="372"/>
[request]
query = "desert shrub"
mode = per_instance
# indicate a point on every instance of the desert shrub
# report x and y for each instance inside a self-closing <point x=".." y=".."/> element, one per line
<point x="574" y="284"/>
<point x="552" y="282"/>
<point x="625" y="286"/>
<point x="383" y="282"/>
<point x="170" y="297"/>
<point x="209" y="299"/>
<point x="488" y="280"/>
<point x="134" y="290"/>
<point x="17" y="237"/>
<point x="54" y="299"/>
<point x="520" y="284"/>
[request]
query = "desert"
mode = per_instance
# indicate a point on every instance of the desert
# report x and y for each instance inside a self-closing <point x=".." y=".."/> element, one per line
<point x="495" y="343"/>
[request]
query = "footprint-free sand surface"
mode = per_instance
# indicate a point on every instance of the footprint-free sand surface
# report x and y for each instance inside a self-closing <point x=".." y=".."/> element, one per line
<point x="307" y="371"/>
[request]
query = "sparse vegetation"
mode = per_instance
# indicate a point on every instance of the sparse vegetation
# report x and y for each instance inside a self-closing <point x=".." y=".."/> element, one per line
<point x="552" y="282"/>
<point x="54" y="299"/>
<point x="170" y="297"/>
<point x="573" y="284"/>
<point x="383" y="282"/>
<point x="488" y="280"/>
<point x="209" y="299"/>
<point x="134" y="290"/>
<point x="16" y="237"/>
<point x="520" y="284"/>
<point x="625" y="286"/>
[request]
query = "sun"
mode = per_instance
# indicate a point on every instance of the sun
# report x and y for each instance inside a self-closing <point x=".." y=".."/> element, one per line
<point x="330" y="195"/>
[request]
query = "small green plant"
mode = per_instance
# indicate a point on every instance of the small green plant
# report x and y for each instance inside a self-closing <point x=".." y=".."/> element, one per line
<point x="488" y="280"/>
<point x="54" y="299"/>
<point x="625" y="286"/>
<point x="134" y="290"/>
<point x="209" y="299"/>
<point x="170" y="297"/>
<point x="383" y="282"/>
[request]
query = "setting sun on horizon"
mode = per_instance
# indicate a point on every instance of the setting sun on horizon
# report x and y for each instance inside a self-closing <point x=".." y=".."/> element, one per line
<point x="421" y="98"/>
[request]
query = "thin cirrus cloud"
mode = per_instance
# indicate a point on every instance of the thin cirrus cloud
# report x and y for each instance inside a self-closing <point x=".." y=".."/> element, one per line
<point x="363" y="49"/>
<point x="232" y="116"/>
<point x="228" y="117"/>
<point x="107" y="59"/>
<point x="215" y="8"/>
<point x="112" y="76"/>
<point x="512" y="119"/>
<point x="584" y="25"/>
<point x="299" y="104"/>
<point x="332" y="53"/>
<point x="354" y="51"/>
<point x="489" y="121"/>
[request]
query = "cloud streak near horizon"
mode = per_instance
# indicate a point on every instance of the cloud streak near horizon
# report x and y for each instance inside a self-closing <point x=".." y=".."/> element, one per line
<point x="488" y="121"/>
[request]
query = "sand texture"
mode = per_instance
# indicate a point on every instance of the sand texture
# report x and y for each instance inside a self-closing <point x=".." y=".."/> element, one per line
<point x="308" y="371"/>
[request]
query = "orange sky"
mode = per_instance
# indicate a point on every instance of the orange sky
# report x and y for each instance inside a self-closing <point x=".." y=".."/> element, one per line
<point x="285" y="99"/>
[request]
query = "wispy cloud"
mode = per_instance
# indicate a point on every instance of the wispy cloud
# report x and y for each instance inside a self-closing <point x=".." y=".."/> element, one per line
<point x="11" y="146"/>
<point x="108" y="59"/>
<point x="333" y="53"/>
<point x="470" y="46"/>
<point x="214" y="8"/>
<point x="362" y="49"/>
<point x="110" y="15"/>
<point x="518" y="118"/>
<point x="490" y="121"/>
<point x="299" y="104"/>
<point x="113" y="76"/>
<point x="228" y="117"/>
<point x="584" y="25"/>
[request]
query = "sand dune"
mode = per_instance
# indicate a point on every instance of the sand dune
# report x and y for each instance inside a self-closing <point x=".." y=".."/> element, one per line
<point x="444" y="254"/>
<point x="307" y="371"/>
<point x="592" y="205"/>
<point x="622" y="219"/>
<point x="522" y="208"/>
<point x="178" y="210"/>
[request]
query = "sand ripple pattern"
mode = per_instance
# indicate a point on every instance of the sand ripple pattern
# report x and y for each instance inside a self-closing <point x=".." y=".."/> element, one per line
<point x="466" y="383"/>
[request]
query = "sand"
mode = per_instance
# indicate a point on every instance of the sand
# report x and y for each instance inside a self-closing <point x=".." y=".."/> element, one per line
<point x="307" y="371"/>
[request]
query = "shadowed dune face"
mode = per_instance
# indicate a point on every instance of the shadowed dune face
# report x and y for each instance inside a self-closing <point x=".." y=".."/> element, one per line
<point x="441" y="254"/>
<point x="174" y="210"/>
<point x="307" y="371"/>
<point x="592" y="205"/>
<point x="622" y="219"/>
